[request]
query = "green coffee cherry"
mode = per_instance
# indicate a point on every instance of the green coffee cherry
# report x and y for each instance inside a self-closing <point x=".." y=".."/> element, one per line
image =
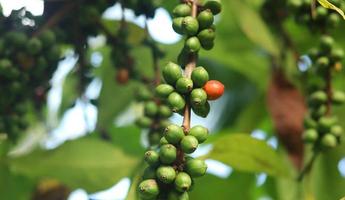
<point x="207" y="45"/>
<point x="184" y="85"/>
<point x="333" y="20"/>
<point x="183" y="182"/>
<point x="309" y="123"/>
<point x="321" y="13"/>
<point x="207" y="36"/>
<point x="198" y="97"/>
<point x="177" y="25"/>
<point x="199" y="132"/>
<point x="327" y="43"/>
<point x="337" y="55"/>
<point x="176" y="102"/>
<point x="171" y="73"/>
<point x="174" y="134"/>
<point x="338" y="97"/>
<point x="189" y="144"/>
<point x="196" y="168"/>
<point x="47" y="38"/>
<point x="337" y="130"/>
<point x="318" y="98"/>
<point x="310" y="135"/>
<point x="214" y="5"/>
<point x="149" y="173"/>
<point x="318" y="112"/>
<point x="34" y="46"/>
<point x="143" y="94"/>
<point x="205" y="19"/>
<point x="152" y="158"/>
<point x="164" y="111"/>
<point x="192" y="44"/>
<point x="190" y="25"/>
<point x="163" y="124"/>
<point x="174" y="195"/>
<point x="151" y="109"/>
<point x="200" y="77"/>
<point x="148" y="189"/>
<point x="167" y="154"/>
<point x="325" y="123"/>
<point x="322" y="62"/>
<point x="164" y="90"/>
<point x="166" y="174"/>
<point x="202" y="110"/>
<point x="329" y="141"/>
<point x="163" y="141"/>
<point x="144" y="122"/>
<point x="154" y="138"/>
<point x="182" y="10"/>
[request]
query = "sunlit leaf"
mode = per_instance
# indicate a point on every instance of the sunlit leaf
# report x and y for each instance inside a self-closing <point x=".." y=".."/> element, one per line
<point x="329" y="5"/>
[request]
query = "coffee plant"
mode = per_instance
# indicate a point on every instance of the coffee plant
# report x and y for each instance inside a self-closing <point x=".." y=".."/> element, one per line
<point x="172" y="100"/>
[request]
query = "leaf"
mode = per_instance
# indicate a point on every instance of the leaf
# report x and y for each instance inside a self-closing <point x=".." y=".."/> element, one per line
<point x="254" y="27"/>
<point x="329" y="5"/>
<point x="87" y="163"/>
<point x="245" y="153"/>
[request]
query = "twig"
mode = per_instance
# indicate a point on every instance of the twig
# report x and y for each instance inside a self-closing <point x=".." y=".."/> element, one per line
<point x="308" y="166"/>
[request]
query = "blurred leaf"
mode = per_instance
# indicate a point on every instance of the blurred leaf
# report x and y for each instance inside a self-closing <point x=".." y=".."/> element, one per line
<point x="86" y="163"/>
<point x="69" y="93"/>
<point x="245" y="153"/>
<point x="329" y="5"/>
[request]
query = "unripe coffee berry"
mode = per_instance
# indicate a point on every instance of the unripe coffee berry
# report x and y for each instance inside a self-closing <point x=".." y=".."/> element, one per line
<point x="327" y="43"/>
<point x="329" y="141"/>
<point x="337" y="55"/>
<point x="202" y="110"/>
<point x="182" y="10"/>
<point x="174" y="134"/>
<point x="190" y="26"/>
<point x="151" y="109"/>
<point x="164" y="111"/>
<point x="338" y="97"/>
<point x="214" y="5"/>
<point x="154" y="138"/>
<point x="189" y="144"/>
<point x="322" y="62"/>
<point x="184" y="85"/>
<point x="144" y="122"/>
<point x="177" y="25"/>
<point x="325" y="123"/>
<point x="192" y="44"/>
<point x="171" y="73"/>
<point x="152" y="158"/>
<point x="214" y="89"/>
<point x="318" y="112"/>
<point x="198" y="97"/>
<point x="205" y="19"/>
<point x="164" y="90"/>
<point x="310" y="135"/>
<point x="174" y="195"/>
<point x="199" y="76"/>
<point x="318" y="97"/>
<point x="143" y="94"/>
<point x="167" y="154"/>
<point x="148" y="189"/>
<point x="183" y="182"/>
<point x="337" y="131"/>
<point x="207" y="36"/>
<point x="166" y="174"/>
<point x="333" y="20"/>
<point x="196" y="168"/>
<point x="199" y="132"/>
<point x="176" y="102"/>
<point x="163" y="141"/>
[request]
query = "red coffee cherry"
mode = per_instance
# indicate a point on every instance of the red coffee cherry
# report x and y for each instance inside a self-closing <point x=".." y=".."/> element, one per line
<point x="214" y="89"/>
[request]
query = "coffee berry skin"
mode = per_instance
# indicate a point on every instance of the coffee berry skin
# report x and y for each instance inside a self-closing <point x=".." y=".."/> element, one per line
<point x="184" y="92"/>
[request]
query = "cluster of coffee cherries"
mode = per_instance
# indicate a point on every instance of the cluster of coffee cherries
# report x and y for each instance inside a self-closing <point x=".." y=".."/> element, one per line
<point x="323" y="18"/>
<point x="26" y="66"/>
<point x="156" y="114"/>
<point x="200" y="31"/>
<point x="322" y="129"/>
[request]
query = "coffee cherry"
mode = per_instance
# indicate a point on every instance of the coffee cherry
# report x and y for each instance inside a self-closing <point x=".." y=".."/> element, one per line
<point x="310" y="135"/>
<point x="333" y="20"/>
<point x="174" y="195"/>
<point x="152" y="158"/>
<point x="207" y="36"/>
<point x="329" y="141"/>
<point x="214" y="89"/>
<point x="143" y="94"/>
<point x="167" y="154"/>
<point x="196" y="168"/>
<point x="184" y="85"/>
<point x="144" y="122"/>
<point x="337" y="55"/>
<point x="34" y="46"/>
<point x="199" y="76"/>
<point x="189" y="144"/>
<point x="325" y="123"/>
<point x="192" y="44"/>
<point x="148" y="189"/>
<point x="154" y="138"/>
<point x="182" y="10"/>
<point x="176" y="102"/>
<point x="47" y="38"/>
<point x="164" y="90"/>
<point x="151" y="109"/>
<point x="202" y="110"/>
<point x="338" y="97"/>
<point x="327" y="43"/>
<point x="190" y="26"/>
<point x="321" y="13"/>
<point x="199" y="132"/>
<point x="207" y="45"/>
<point x="163" y="141"/>
<point x="337" y="130"/>
<point x="171" y="73"/>
<point x="166" y="174"/>
<point x="163" y="124"/>
<point x="318" y="98"/>
<point x="205" y="19"/>
<point x="149" y="173"/>
<point x="174" y="134"/>
<point x="177" y="25"/>
<point x="322" y="62"/>
<point x="214" y="5"/>
<point x="198" y="97"/>
<point x="164" y="111"/>
<point x="318" y="112"/>
<point x="183" y="182"/>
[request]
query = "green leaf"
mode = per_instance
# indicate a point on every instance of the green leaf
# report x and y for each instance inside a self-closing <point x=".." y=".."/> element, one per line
<point x="254" y="27"/>
<point x="245" y="153"/>
<point x="329" y="5"/>
<point x="86" y="163"/>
